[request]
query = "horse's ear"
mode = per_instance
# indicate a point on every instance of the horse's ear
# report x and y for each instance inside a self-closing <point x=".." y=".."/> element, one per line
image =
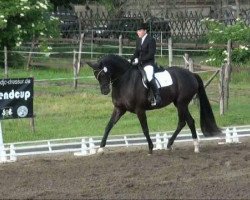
<point x="94" y="66"/>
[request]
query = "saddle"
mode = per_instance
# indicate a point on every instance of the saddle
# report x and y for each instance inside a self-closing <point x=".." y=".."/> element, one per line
<point x="161" y="76"/>
<point x="158" y="75"/>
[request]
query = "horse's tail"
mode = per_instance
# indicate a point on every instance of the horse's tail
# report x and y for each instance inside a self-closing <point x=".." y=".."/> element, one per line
<point x="207" y="120"/>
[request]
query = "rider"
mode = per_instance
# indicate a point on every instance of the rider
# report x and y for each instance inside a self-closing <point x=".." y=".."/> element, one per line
<point x="144" y="56"/>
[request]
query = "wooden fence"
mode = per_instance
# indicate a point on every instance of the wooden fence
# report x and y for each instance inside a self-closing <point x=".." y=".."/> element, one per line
<point x="184" y="26"/>
<point x="224" y="73"/>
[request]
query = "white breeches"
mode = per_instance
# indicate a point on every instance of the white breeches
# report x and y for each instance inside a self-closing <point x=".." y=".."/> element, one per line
<point x="149" y="72"/>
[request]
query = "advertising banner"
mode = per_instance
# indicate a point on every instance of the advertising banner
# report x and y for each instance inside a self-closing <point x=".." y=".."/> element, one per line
<point x="16" y="98"/>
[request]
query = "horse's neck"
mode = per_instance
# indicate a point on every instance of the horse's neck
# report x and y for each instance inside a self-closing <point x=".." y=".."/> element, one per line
<point x="126" y="77"/>
<point x="118" y="72"/>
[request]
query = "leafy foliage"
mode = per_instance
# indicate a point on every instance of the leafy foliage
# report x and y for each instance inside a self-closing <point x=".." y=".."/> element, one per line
<point x="22" y="20"/>
<point x="220" y="33"/>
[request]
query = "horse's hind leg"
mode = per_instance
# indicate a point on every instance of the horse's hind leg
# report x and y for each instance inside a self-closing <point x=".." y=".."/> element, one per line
<point x="191" y="125"/>
<point x="181" y="124"/>
<point x="143" y="121"/>
<point x="185" y="116"/>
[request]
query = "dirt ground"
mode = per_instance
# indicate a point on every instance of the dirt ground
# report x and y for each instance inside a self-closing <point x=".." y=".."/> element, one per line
<point x="218" y="172"/>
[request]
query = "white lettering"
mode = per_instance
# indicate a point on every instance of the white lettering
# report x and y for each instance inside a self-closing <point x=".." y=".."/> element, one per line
<point x="11" y="94"/>
<point x="22" y="95"/>
<point x="6" y="95"/>
<point x="3" y="82"/>
<point x="27" y="81"/>
<point x="15" y="95"/>
<point x="27" y="95"/>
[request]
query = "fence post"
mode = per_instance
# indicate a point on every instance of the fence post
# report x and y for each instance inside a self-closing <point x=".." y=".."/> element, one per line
<point x="30" y="53"/>
<point x="228" y="70"/>
<point x="170" y="51"/>
<point x="120" y="45"/>
<point x="186" y="58"/>
<point x="92" y="43"/>
<point x="80" y="53"/>
<point x="5" y="62"/>
<point x="222" y="74"/>
<point x="74" y="69"/>
<point x="191" y="65"/>
<point x="161" y="44"/>
<point x="191" y="69"/>
<point x="32" y="124"/>
<point x="77" y="63"/>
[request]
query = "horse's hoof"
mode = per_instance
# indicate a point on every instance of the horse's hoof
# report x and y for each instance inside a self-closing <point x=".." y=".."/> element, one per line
<point x="196" y="150"/>
<point x="150" y="152"/>
<point x="100" y="150"/>
<point x="170" y="148"/>
<point x="196" y="146"/>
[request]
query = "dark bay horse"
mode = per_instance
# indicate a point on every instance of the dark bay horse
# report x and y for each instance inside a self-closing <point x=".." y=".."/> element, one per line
<point x="129" y="94"/>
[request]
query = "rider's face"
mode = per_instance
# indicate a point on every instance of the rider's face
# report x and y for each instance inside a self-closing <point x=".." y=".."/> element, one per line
<point x="141" y="33"/>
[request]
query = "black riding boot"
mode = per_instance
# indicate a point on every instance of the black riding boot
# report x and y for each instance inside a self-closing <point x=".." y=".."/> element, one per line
<point x="156" y="92"/>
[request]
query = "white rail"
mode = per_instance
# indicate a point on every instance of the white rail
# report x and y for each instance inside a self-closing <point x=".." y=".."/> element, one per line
<point x="84" y="146"/>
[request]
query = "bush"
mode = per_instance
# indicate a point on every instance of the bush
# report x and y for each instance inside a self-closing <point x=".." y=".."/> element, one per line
<point x="24" y="20"/>
<point x="220" y="33"/>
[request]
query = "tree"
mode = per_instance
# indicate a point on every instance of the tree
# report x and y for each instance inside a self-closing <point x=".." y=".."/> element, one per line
<point x="23" y="20"/>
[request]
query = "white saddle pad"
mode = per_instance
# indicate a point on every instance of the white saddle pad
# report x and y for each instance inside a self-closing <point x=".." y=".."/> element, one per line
<point x="163" y="79"/>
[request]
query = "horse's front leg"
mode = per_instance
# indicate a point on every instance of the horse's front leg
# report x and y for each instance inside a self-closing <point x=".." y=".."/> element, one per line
<point x="116" y="115"/>
<point x="144" y="124"/>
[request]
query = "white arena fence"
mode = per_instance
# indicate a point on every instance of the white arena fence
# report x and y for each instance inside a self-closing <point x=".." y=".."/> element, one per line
<point x="84" y="146"/>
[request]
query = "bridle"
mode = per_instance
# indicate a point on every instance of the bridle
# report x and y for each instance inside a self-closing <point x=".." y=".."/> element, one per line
<point x="104" y="69"/>
<point x="97" y="76"/>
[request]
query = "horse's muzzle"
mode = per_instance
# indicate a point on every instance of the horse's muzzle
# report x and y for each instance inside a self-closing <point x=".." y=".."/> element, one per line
<point x="105" y="89"/>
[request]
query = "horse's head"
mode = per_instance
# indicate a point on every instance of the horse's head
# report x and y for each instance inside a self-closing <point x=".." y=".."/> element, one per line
<point x="102" y="75"/>
<point x="109" y="69"/>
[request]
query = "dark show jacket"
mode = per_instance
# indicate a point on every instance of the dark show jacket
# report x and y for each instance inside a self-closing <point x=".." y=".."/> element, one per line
<point x="145" y="52"/>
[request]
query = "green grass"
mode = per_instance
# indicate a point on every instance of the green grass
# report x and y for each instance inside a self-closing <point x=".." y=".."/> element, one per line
<point x="61" y="111"/>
